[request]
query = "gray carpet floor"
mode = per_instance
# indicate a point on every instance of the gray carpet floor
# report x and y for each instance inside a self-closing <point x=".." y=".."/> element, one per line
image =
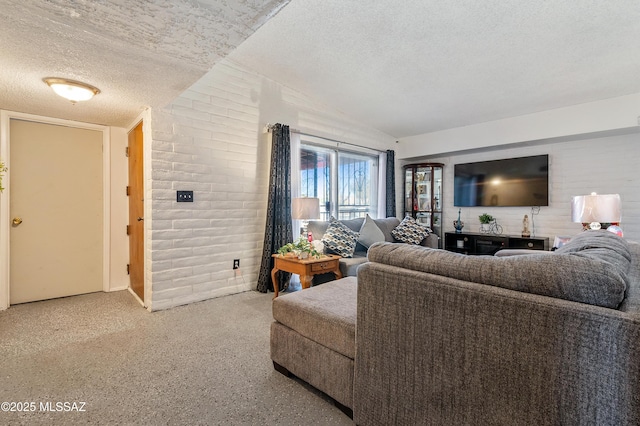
<point x="206" y="363"/>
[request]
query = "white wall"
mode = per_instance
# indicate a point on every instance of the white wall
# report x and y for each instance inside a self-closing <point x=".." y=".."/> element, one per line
<point x="119" y="280"/>
<point x="592" y="147"/>
<point x="211" y="140"/>
<point x="605" y="117"/>
<point x="603" y="165"/>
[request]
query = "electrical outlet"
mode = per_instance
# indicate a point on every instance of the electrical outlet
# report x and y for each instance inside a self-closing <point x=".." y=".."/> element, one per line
<point x="184" y="196"/>
<point x="236" y="263"/>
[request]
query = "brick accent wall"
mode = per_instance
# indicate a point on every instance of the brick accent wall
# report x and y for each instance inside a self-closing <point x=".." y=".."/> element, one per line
<point x="211" y="140"/>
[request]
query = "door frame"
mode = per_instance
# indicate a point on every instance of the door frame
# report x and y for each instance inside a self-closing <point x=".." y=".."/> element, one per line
<point x="5" y="247"/>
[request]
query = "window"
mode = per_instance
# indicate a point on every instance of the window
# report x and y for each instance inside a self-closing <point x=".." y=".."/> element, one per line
<point x="345" y="182"/>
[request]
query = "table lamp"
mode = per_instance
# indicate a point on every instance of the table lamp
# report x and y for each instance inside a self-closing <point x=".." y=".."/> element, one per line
<point x="304" y="209"/>
<point x="596" y="211"/>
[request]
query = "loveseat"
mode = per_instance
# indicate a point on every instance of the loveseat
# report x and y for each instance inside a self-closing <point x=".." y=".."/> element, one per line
<point x="349" y="265"/>
<point x="426" y="336"/>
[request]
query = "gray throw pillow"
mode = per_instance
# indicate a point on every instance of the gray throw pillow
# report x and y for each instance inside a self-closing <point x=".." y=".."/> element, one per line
<point x="370" y="233"/>
<point x="409" y="231"/>
<point x="340" y="239"/>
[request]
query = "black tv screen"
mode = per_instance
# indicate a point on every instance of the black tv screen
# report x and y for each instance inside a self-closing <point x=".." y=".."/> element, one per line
<point x="522" y="181"/>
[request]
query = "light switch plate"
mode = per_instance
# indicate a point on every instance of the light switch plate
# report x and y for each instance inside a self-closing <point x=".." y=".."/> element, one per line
<point x="185" y="197"/>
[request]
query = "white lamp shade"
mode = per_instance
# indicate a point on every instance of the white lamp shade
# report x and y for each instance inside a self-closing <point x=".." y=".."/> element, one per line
<point x="305" y="208"/>
<point x="603" y="208"/>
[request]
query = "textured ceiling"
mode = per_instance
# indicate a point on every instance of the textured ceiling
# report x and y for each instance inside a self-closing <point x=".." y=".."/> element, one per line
<point x="419" y="66"/>
<point x="138" y="53"/>
<point x="404" y="68"/>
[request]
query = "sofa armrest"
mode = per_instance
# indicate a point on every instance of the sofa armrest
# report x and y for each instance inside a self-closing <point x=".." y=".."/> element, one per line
<point x="431" y="241"/>
<point x="457" y="352"/>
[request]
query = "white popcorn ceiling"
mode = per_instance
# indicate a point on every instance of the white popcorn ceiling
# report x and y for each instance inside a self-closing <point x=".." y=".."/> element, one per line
<point x="420" y="66"/>
<point x="404" y="68"/>
<point x="138" y="53"/>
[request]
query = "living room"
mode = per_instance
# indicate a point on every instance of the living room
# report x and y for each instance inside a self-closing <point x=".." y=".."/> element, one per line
<point x="581" y="107"/>
<point x="212" y="138"/>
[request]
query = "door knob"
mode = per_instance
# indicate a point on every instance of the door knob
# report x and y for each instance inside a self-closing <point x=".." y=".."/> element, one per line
<point x="140" y="219"/>
<point x="17" y="221"/>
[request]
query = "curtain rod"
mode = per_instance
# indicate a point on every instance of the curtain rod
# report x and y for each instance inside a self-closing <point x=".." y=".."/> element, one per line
<point x="269" y="128"/>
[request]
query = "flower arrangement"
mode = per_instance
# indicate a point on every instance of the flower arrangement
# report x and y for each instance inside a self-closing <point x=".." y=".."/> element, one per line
<point x="3" y="169"/>
<point x="302" y="248"/>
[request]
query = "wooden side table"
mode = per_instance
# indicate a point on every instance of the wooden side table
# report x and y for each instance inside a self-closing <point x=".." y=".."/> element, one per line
<point x="306" y="268"/>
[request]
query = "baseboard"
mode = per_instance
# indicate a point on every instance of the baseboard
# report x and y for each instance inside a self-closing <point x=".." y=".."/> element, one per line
<point x="136" y="296"/>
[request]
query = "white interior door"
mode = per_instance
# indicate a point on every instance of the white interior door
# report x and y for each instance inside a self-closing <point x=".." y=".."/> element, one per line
<point x="56" y="209"/>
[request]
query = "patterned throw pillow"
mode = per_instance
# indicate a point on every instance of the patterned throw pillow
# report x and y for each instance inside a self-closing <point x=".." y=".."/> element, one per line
<point x="340" y="239"/>
<point x="409" y="231"/>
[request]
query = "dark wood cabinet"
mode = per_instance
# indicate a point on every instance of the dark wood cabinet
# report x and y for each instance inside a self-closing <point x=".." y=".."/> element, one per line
<point x="423" y="195"/>
<point x="489" y="244"/>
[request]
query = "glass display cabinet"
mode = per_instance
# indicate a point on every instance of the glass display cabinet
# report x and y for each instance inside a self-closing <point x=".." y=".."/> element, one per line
<point x="423" y="195"/>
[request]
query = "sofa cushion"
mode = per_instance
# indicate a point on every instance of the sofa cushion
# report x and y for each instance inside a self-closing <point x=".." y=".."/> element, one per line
<point x="593" y="270"/>
<point x="370" y="233"/>
<point x="387" y="225"/>
<point x="325" y="314"/>
<point x="340" y="239"/>
<point x="319" y="227"/>
<point x="353" y="224"/>
<point x="349" y="265"/>
<point x="409" y="231"/>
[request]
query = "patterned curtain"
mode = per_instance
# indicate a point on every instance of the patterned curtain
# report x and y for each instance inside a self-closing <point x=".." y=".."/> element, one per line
<point x="391" y="183"/>
<point x="278" y="230"/>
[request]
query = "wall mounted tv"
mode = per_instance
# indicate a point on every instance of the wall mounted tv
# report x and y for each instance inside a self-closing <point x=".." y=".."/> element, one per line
<point x="522" y="181"/>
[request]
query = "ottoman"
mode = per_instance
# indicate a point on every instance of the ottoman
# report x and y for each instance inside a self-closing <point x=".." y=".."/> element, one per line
<point x="313" y="338"/>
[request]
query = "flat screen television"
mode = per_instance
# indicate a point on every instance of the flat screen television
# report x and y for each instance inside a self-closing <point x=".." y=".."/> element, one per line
<point x="522" y="181"/>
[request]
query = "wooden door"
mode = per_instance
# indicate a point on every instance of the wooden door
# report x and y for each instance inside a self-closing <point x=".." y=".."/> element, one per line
<point x="136" y="212"/>
<point x="56" y="208"/>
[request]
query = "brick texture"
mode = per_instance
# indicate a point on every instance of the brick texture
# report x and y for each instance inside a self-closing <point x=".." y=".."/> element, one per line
<point x="605" y="165"/>
<point x="211" y="140"/>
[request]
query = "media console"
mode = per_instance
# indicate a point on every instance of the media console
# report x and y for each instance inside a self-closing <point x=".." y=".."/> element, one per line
<point x="489" y="244"/>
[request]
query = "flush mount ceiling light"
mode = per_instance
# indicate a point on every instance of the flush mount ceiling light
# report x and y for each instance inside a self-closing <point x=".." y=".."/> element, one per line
<point x="70" y="89"/>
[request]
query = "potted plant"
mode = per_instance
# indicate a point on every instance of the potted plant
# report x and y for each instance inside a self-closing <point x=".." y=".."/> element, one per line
<point x="302" y="249"/>
<point x="485" y="220"/>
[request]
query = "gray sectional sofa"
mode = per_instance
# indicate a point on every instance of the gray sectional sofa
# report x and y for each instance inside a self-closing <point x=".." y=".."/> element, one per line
<point x="424" y="336"/>
<point x="349" y="265"/>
